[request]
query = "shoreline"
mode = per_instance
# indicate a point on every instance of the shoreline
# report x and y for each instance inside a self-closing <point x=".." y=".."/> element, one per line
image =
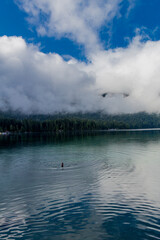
<point x="77" y="132"/>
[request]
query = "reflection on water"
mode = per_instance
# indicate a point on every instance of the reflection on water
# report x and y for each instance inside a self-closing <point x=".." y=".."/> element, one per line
<point x="108" y="188"/>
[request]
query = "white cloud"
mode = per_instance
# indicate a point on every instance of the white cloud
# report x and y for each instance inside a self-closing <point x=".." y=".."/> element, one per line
<point x="134" y="71"/>
<point x="34" y="82"/>
<point x="78" y="20"/>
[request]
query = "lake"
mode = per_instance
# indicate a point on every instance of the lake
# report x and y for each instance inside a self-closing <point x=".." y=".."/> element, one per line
<point x="109" y="187"/>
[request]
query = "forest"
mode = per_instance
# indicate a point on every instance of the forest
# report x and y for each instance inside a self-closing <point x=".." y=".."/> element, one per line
<point x="76" y="122"/>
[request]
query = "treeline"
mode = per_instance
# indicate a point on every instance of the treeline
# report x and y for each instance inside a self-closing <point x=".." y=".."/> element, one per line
<point x="58" y="125"/>
<point x="81" y="123"/>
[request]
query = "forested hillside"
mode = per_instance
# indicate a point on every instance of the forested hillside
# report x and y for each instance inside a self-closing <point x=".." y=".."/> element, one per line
<point x="76" y="122"/>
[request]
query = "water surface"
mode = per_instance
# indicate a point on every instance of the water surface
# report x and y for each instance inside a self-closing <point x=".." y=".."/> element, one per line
<point x="108" y="188"/>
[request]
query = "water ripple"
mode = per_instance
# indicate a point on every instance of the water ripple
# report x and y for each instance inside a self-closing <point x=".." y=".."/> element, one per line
<point x="108" y="189"/>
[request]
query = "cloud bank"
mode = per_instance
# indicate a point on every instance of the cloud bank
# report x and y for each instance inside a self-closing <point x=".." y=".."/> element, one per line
<point x="34" y="82"/>
<point x="123" y="80"/>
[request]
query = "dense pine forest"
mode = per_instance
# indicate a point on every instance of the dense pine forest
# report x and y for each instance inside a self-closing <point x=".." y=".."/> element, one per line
<point x="76" y="122"/>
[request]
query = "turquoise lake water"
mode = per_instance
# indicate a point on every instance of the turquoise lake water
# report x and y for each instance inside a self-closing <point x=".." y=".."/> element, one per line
<point x="109" y="187"/>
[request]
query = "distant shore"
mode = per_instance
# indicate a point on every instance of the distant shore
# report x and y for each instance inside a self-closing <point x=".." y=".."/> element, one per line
<point x="78" y="132"/>
<point x="133" y="130"/>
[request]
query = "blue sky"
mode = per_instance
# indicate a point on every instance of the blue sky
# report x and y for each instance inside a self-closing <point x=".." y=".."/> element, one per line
<point x="63" y="55"/>
<point x="14" y="23"/>
<point x="144" y="15"/>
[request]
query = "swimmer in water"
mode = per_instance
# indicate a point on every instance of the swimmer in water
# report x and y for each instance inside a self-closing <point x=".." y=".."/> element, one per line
<point x="62" y="165"/>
